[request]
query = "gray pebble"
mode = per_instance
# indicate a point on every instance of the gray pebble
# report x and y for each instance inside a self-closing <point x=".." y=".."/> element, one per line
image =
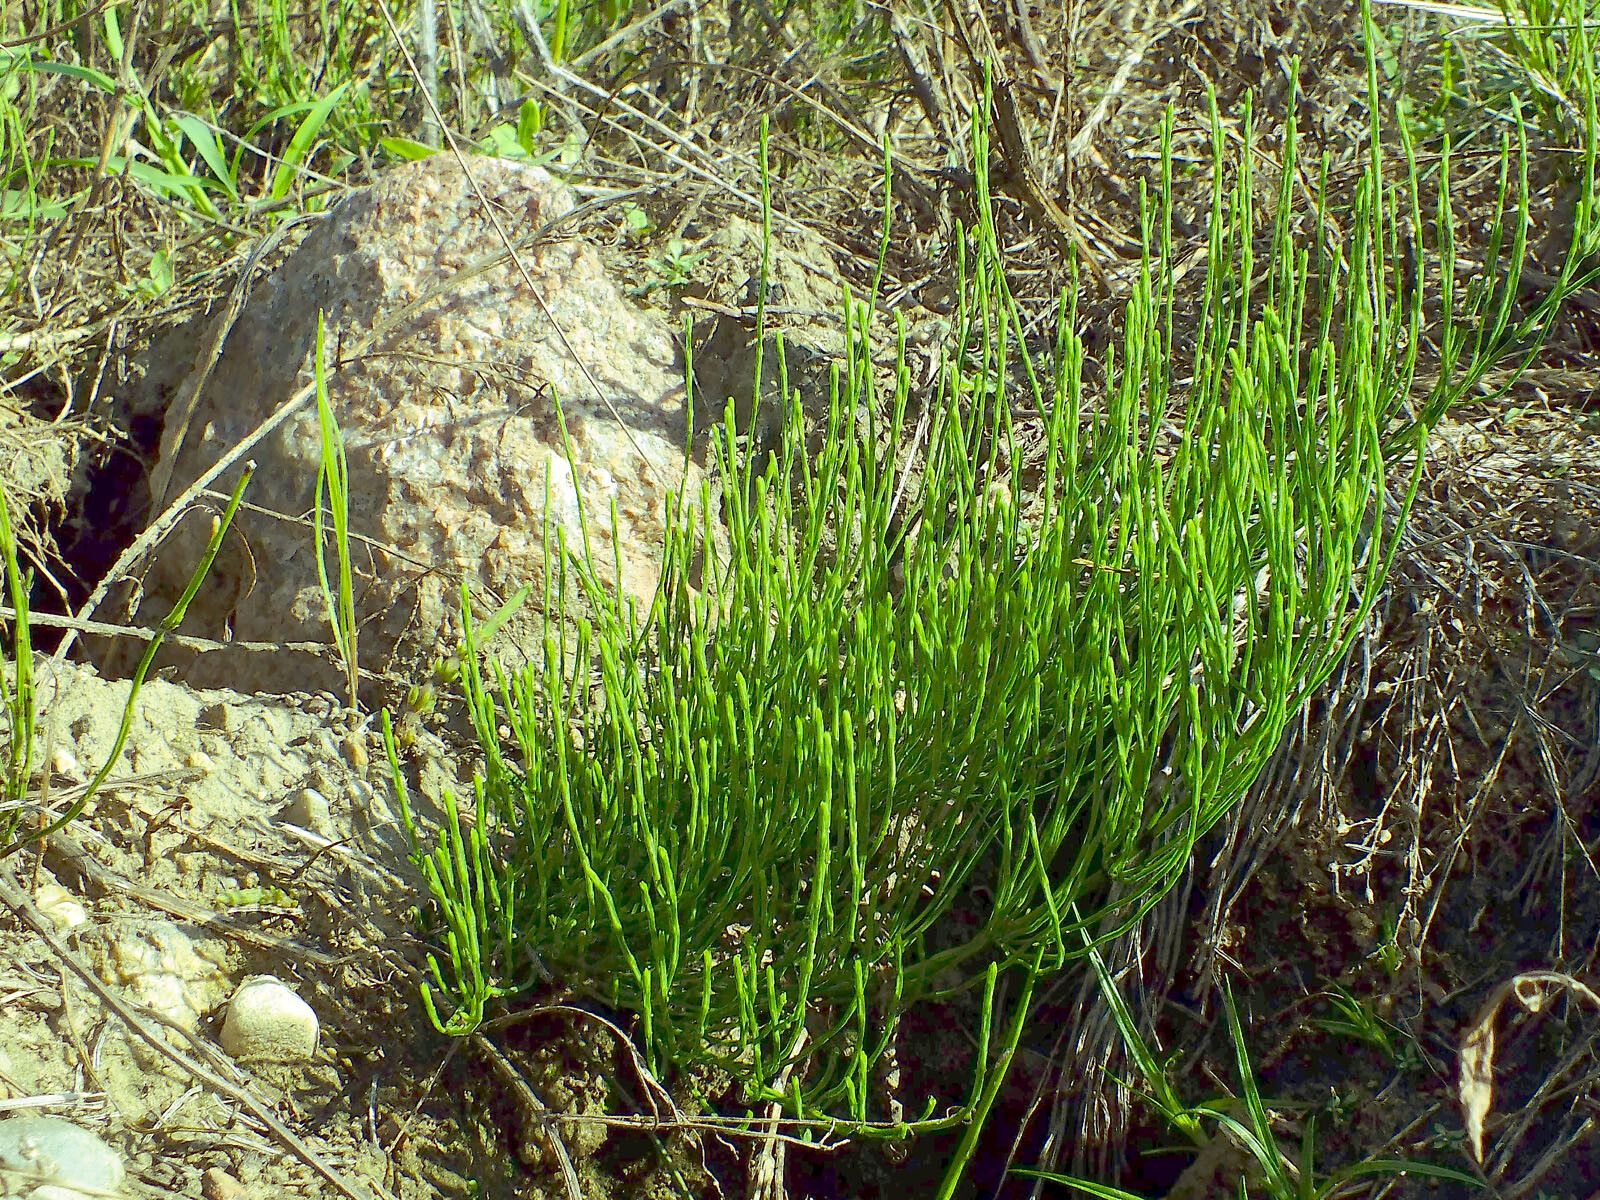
<point x="46" y="1158"/>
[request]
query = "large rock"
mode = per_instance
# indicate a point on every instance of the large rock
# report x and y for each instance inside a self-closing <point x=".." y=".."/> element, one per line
<point x="450" y="426"/>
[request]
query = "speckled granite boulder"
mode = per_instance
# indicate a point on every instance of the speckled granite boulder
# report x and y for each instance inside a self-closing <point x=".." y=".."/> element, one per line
<point x="449" y="423"/>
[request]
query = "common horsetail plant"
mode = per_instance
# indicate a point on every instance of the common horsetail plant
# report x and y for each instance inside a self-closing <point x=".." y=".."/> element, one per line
<point x="1016" y="674"/>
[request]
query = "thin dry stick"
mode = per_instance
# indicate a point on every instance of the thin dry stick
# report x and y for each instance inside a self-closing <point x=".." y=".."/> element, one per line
<point x="979" y="43"/>
<point x="427" y="74"/>
<point x="144" y="633"/>
<point x="768" y="1163"/>
<point x="73" y="24"/>
<point x="50" y="339"/>
<point x="147" y="1031"/>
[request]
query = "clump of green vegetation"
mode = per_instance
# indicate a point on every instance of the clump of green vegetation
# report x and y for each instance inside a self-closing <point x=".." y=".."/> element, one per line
<point x="1042" y="659"/>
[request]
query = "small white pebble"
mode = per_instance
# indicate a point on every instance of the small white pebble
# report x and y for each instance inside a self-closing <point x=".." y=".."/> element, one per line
<point x="65" y="765"/>
<point x="199" y="760"/>
<point x="355" y="750"/>
<point x="60" y="905"/>
<point x="267" y="1022"/>
<point x="309" y="809"/>
<point x="217" y="1184"/>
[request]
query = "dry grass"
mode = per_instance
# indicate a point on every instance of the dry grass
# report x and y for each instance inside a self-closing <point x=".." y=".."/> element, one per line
<point x="1428" y="830"/>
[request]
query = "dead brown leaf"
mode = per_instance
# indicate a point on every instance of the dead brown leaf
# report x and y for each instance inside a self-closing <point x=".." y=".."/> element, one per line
<point x="1475" y="1083"/>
